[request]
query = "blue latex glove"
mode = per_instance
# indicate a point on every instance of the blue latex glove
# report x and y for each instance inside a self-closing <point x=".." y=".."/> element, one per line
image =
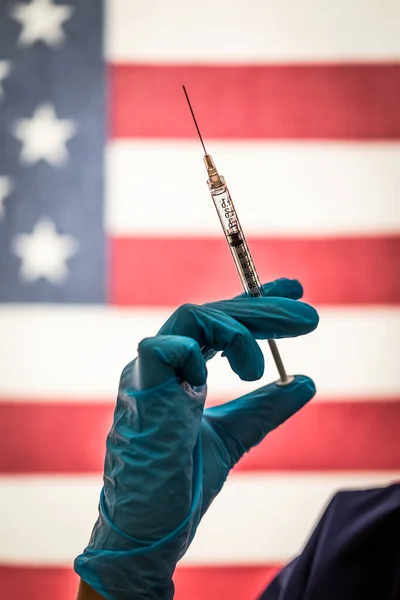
<point x="167" y="457"/>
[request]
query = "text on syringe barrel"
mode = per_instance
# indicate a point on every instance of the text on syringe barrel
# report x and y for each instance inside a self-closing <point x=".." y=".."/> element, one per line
<point x="236" y="240"/>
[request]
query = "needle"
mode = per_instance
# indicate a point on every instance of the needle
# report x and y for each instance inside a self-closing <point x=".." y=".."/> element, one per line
<point x="194" y="119"/>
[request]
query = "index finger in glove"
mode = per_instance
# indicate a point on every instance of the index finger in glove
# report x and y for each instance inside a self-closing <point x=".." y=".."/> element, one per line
<point x="215" y="324"/>
<point x="301" y="321"/>
<point x="270" y="317"/>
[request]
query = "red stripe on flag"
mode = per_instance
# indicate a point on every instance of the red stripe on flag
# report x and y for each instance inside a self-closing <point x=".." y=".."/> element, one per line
<point x="194" y="583"/>
<point x="35" y="583"/>
<point x="70" y="438"/>
<point x="337" y="101"/>
<point x="169" y="272"/>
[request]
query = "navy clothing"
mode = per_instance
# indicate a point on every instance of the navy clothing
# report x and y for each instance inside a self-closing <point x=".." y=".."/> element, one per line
<point x="353" y="554"/>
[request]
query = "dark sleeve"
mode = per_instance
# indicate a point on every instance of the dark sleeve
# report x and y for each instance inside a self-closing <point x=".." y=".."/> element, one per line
<point x="354" y="552"/>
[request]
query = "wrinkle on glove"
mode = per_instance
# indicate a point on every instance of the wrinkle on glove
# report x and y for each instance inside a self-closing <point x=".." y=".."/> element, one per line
<point x="167" y="457"/>
<point x="126" y="546"/>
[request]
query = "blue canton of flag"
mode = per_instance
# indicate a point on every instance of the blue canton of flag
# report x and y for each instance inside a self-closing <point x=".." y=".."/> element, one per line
<point x="52" y="134"/>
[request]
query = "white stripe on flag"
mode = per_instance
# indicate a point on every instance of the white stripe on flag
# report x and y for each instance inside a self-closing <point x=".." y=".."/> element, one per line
<point x="79" y="352"/>
<point x="252" y="31"/>
<point x="256" y="518"/>
<point x="278" y="188"/>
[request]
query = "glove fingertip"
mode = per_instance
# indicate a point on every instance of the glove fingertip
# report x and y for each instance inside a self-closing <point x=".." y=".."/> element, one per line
<point x="250" y="369"/>
<point x="194" y="369"/>
<point x="306" y="318"/>
<point x="284" y="288"/>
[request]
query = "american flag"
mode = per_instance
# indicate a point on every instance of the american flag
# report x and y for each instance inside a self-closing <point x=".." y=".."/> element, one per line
<point x="107" y="226"/>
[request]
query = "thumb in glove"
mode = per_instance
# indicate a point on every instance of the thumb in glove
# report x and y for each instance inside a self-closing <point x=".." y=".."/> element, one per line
<point x="243" y="423"/>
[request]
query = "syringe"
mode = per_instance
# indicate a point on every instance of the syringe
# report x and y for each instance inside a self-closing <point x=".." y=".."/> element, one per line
<point x="237" y="242"/>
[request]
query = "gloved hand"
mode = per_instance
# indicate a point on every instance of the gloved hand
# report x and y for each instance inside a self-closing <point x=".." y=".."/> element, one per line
<point x="167" y="457"/>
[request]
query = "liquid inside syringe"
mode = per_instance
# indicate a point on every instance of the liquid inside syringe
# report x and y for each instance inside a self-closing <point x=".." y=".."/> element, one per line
<point x="234" y="235"/>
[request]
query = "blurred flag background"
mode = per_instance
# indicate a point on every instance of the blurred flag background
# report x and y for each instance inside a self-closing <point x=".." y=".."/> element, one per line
<point x="106" y="225"/>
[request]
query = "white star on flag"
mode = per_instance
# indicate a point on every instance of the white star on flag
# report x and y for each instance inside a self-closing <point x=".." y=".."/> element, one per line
<point x="44" y="253"/>
<point x="44" y="136"/>
<point x="5" y="190"/>
<point x="41" y="20"/>
<point x="5" y="68"/>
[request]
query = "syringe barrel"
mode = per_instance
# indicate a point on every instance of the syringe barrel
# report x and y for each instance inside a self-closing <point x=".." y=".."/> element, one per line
<point x="241" y="255"/>
<point x="236" y="239"/>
